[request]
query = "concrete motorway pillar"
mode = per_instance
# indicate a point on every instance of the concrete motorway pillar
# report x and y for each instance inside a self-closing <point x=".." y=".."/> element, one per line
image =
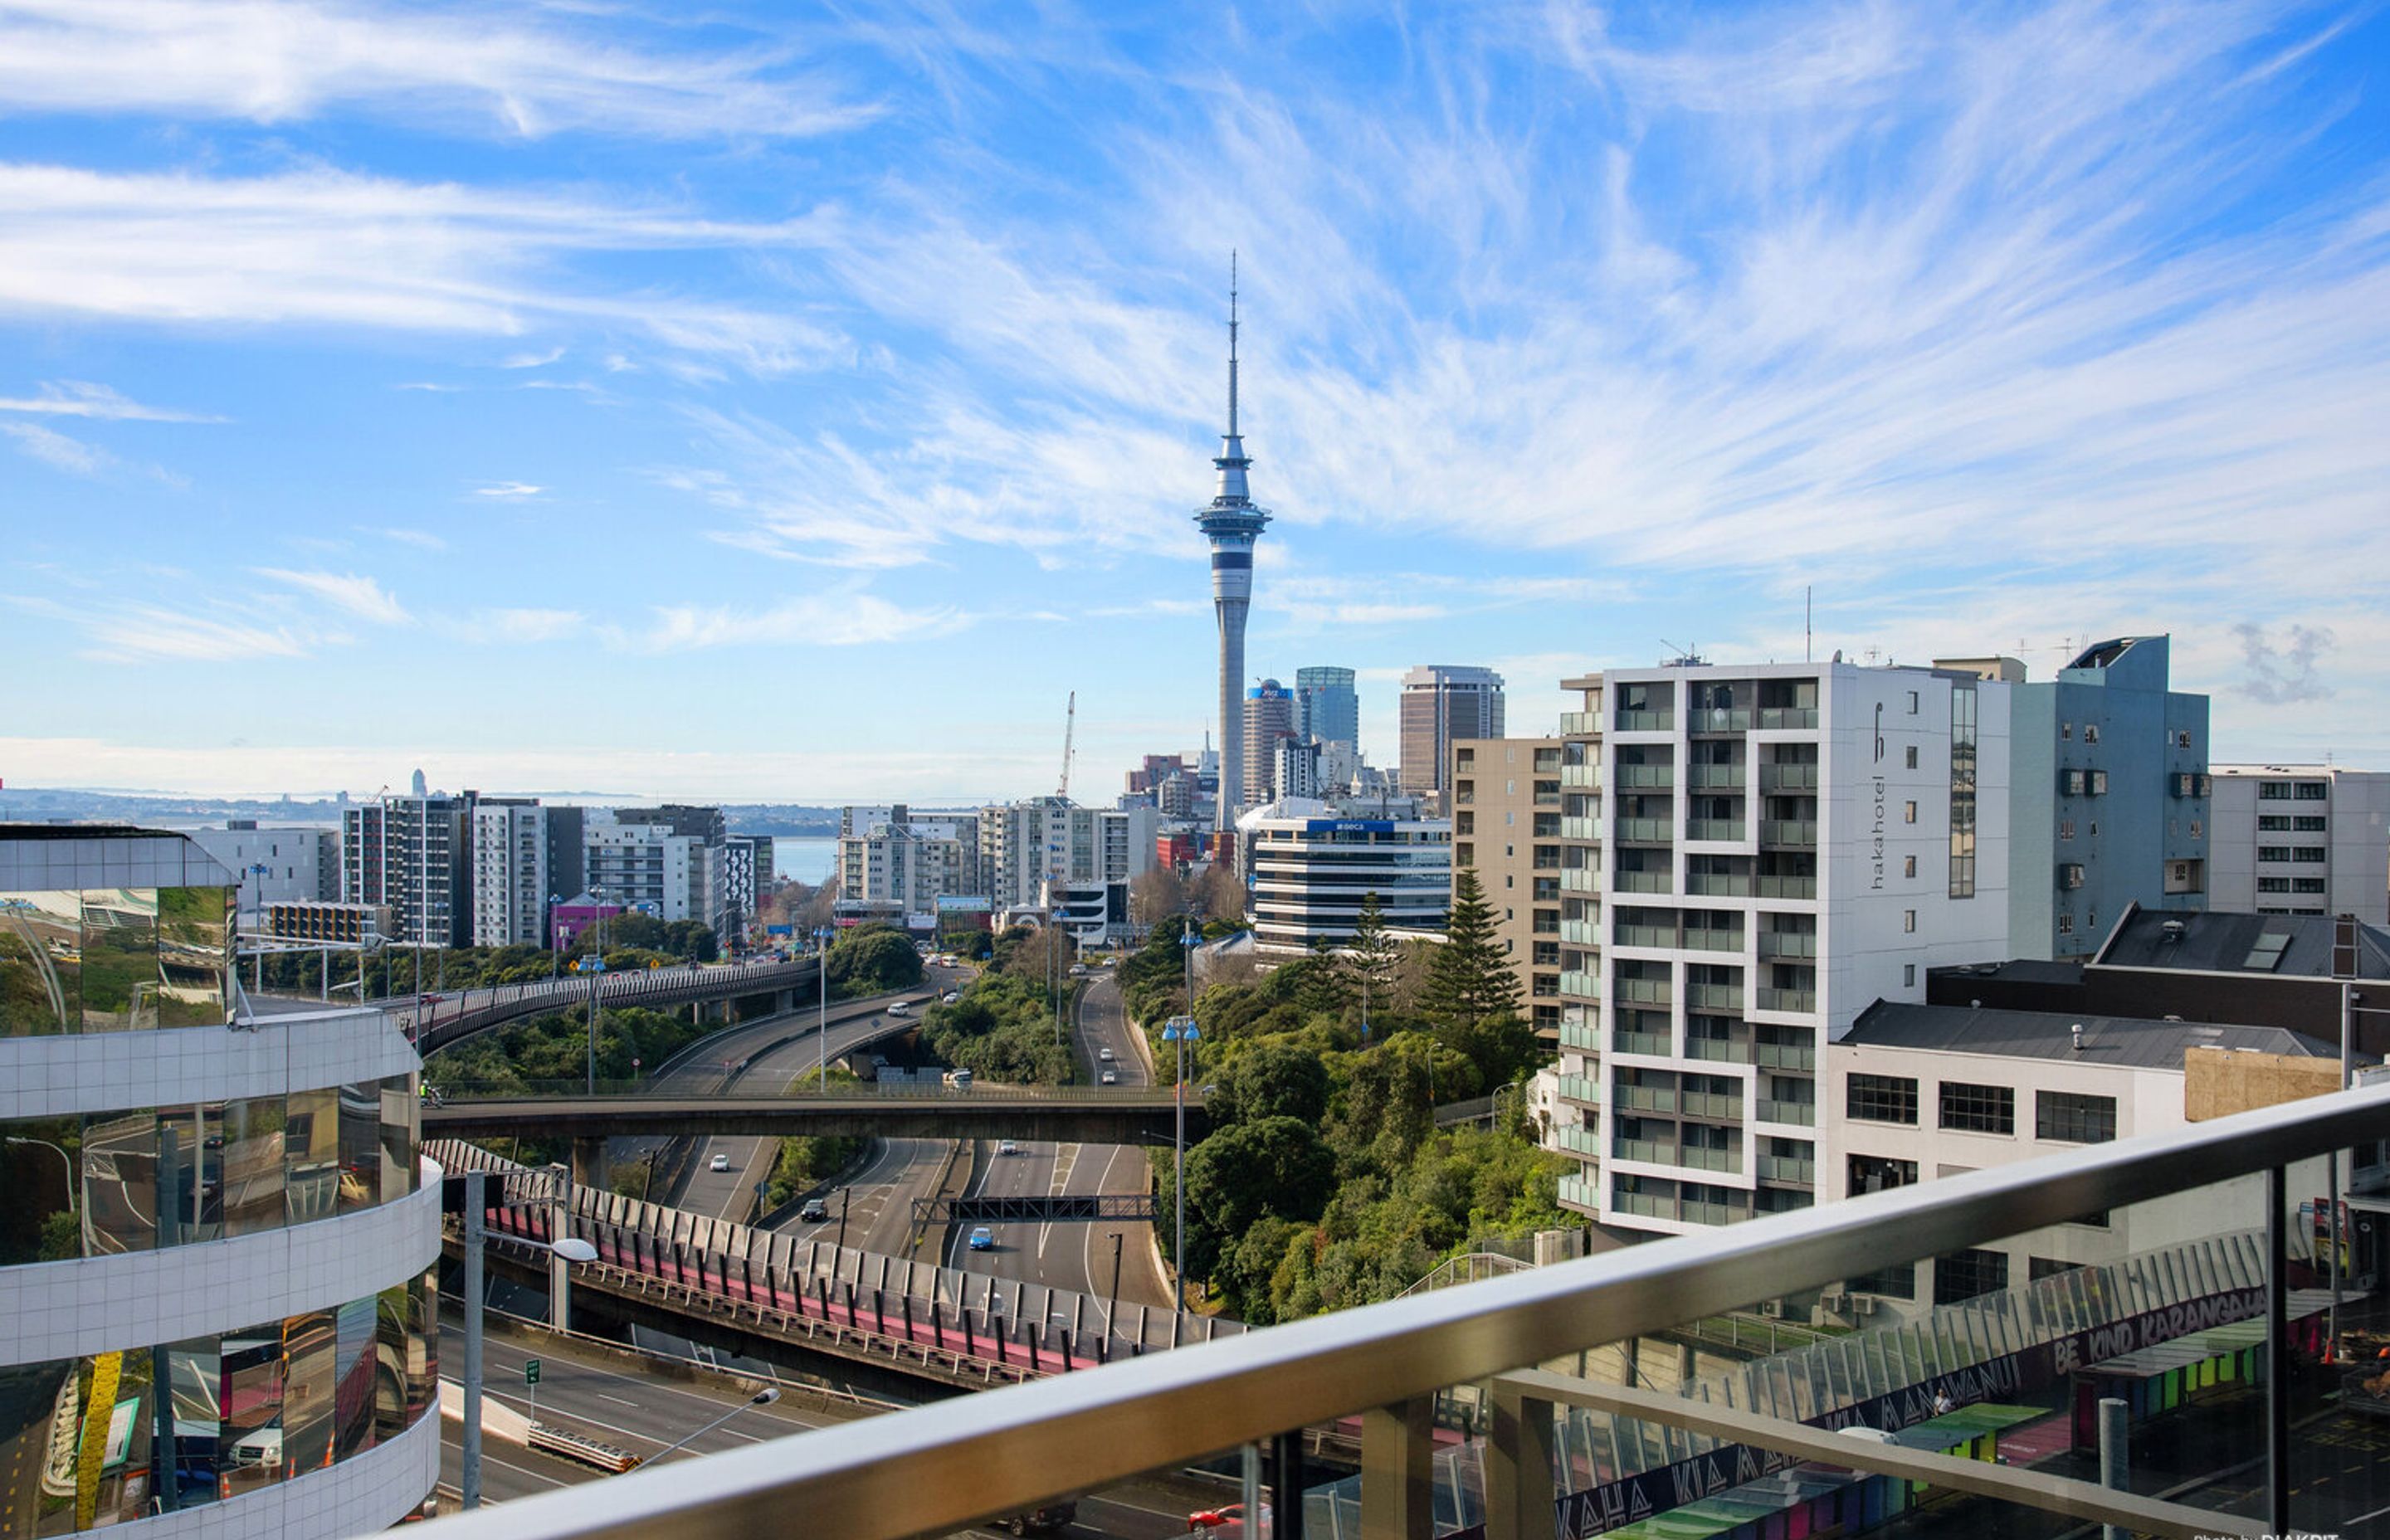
<point x="589" y="1164"/>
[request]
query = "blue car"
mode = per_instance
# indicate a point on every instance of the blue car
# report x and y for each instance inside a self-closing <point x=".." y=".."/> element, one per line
<point x="982" y="1239"/>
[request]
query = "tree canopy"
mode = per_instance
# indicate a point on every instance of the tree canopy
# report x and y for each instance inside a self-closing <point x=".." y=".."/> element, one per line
<point x="1469" y="976"/>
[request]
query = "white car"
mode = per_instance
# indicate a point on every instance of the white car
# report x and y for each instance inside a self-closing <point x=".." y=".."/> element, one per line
<point x="900" y="1009"/>
<point x="1110" y="1078"/>
<point x="952" y="996"/>
<point x="1104" y="1054"/>
<point x="720" y="1162"/>
<point x="1006" y="1146"/>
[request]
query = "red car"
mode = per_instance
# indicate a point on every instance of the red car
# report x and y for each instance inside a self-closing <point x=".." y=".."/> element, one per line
<point x="1225" y="1522"/>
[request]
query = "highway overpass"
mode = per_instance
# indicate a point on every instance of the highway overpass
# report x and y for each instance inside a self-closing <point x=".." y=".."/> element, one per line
<point x="1070" y="1114"/>
<point x="449" y="1018"/>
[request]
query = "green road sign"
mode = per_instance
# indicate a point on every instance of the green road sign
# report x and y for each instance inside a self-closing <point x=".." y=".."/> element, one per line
<point x="531" y="1371"/>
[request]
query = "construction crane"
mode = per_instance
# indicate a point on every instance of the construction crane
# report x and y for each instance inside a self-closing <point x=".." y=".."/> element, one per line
<point x="1070" y="730"/>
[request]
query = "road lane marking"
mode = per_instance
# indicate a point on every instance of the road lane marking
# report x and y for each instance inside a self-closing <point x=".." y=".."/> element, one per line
<point x="615" y="1399"/>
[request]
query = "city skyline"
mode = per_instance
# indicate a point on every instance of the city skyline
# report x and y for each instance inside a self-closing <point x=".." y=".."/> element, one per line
<point x="577" y="400"/>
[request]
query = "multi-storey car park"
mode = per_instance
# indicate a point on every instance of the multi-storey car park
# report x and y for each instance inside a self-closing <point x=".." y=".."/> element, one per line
<point x="216" y="1242"/>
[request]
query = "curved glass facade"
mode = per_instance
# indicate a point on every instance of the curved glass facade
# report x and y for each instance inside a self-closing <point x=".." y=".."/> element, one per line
<point x="86" y="1443"/>
<point x="113" y="959"/>
<point x="105" y="1183"/>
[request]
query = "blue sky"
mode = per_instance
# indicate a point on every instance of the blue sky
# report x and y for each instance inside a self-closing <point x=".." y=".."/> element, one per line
<point x="799" y="403"/>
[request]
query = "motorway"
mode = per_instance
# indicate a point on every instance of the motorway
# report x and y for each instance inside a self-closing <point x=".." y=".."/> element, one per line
<point x="1075" y="1256"/>
<point x="608" y="1399"/>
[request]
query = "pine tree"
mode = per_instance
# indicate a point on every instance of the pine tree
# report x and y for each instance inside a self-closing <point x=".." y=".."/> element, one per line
<point x="1371" y="960"/>
<point x="1469" y="979"/>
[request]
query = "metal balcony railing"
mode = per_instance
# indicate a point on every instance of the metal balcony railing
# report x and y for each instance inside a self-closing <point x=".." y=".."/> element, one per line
<point x="937" y="1468"/>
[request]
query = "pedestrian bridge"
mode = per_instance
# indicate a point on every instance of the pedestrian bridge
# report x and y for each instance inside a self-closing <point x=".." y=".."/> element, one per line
<point x="445" y="1019"/>
<point x="1044" y="1114"/>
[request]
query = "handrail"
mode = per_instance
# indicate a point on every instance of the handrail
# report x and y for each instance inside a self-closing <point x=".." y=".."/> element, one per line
<point x="938" y="1466"/>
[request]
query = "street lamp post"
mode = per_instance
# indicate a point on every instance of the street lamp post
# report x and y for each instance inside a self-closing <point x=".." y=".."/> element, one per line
<point x="821" y="1030"/>
<point x="764" y="1397"/>
<point x="1182" y="1031"/>
<point x="570" y="1249"/>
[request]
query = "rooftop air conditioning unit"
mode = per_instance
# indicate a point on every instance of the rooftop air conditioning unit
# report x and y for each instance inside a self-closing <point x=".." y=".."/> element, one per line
<point x="1865" y="1304"/>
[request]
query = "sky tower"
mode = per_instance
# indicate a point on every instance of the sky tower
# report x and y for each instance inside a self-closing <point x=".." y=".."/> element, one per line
<point x="1232" y="521"/>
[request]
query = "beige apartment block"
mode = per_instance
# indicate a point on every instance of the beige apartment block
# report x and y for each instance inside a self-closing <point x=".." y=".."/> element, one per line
<point x="1506" y="824"/>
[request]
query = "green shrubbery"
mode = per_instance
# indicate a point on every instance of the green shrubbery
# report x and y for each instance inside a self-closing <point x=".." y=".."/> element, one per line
<point x="1002" y="1029"/>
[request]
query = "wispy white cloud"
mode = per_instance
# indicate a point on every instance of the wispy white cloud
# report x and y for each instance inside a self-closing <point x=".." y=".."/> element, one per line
<point x="117" y="632"/>
<point x="55" y="449"/>
<point x="324" y="247"/>
<point x="75" y="398"/>
<point x="525" y="625"/>
<point x="423" y="539"/>
<point x="513" y="490"/>
<point x="275" y="61"/>
<point x="531" y="360"/>
<point x="848" y="617"/>
<point x="355" y="594"/>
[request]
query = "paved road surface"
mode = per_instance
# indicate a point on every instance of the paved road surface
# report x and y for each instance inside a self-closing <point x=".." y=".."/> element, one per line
<point x="644" y="1413"/>
<point x="1075" y="1255"/>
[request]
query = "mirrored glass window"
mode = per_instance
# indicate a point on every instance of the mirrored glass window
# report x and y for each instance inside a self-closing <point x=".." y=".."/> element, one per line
<point x="360" y="1145"/>
<point x="197" y="1402"/>
<point x="353" y="1375"/>
<point x="123" y="1183"/>
<point x="249" y="1452"/>
<point x="311" y="1148"/>
<point x="39" y="1170"/>
<point x="311" y="1356"/>
<point x="41" y="964"/>
<point x="120" y="959"/>
<point x="401" y="1116"/>
<point x="194" y="952"/>
<point x="252" y="1164"/>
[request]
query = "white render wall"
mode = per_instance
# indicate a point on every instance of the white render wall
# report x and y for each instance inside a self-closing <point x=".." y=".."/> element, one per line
<point x="44" y="1077"/>
<point x="2357" y="839"/>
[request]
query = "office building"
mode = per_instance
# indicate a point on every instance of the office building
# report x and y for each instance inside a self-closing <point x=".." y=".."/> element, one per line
<point x="1232" y="523"/>
<point x="1749" y="857"/>
<point x="1506" y="827"/>
<point x="1327" y="707"/>
<point x="218" y="1297"/>
<point x="273" y="866"/>
<point x="1311" y="869"/>
<point x="2301" y="839"/>
<point x="1442" y="704"/>
<point x="896" y="865"/>
<point x="408" y="854"/>
<point x="1269" y="721"/>
<point x="2110" y="804"/>
<point x="511" y="883"/>
<point x="1916" y="1092"/>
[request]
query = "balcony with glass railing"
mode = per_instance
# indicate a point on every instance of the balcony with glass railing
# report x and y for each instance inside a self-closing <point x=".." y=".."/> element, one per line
<point x="1581" y="932"/>
<point x="1784" y="1056"/>
<point x="1716" y="1105"/>
<point x="1578" y="826"/>
<point x="1646" y="721"/>
<point x="1643" y="936"/>
<point x="1580" y="879"/>
<point x="1580" y="984"/>
<point x="1717" y="1050"/>
<point x="1581" y="778"/>
<point x="1713" y="996"/>
<point x="1712" y="939"/>
<point x="1643" y="991"/>
<point x="1580" y="724"/>
<point x="1583" y="1036"/>
<point x="1463" y="1413"/>
<point x="1779" y="718"/>
<point x="1643" y="777"/>
<point x="1656" y="1152"/>
<point x="1800" y="1001"/>
<point x="1718" y="884"/>
<point x="1581" y="1089"/>
<point x="1788" y="1168"/>
<point x="1788" y="944"/>
<point x="1576" y="1139"/>
<point x="1715" y="828"/>
<point x="1703" y="1157"/>
<point x="1645" y="831"/>
<point x="1714" y="777"/>
<point x="1631" y="881"/>
<point x="1785" y="887"/>
<point x="1792" y="833"/>
<point x="1788" y="777"/>
<point x="1802" y="1113"/>
<point x="1641" y="1042"/>
<point x="1719" y="719"/>
<point x="1643" y="1099"/>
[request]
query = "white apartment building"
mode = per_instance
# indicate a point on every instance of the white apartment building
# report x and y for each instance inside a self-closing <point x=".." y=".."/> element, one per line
<point x="1749" y="857"/>
<point x="293" y="862"/>
<point x="1047" y="853"/>
<point x="511" y="874"/>
<point x="2301" y="839"/>
<point x="1311" y="869"/>
<point x="1920" y="1092"/>
<point x="895" y="864"/>
<point x="646" y="868"/>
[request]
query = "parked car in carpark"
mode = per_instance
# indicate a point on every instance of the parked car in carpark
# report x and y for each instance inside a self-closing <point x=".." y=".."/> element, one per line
<point x="1042" y="1520"/>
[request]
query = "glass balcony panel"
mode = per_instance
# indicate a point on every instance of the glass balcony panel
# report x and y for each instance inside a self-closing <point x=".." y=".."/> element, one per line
<point x="1714" y="829"/>
<point x="1581" y="778"/>
<point x="1788" y="717"/>
<point x="1581" y="932"/>
<point x="1580" y="724"/>
<point x="1580" y="984"/>
<point x="1787" y="944"/>
<point x="1804" y="1114"/>
<point x="1719" y="719"/>
<point x="1787" y="887"/>
<point x="1646" y="722"/>
<point x="1580" y="879"/>
<point x="1714" y="996"/>
<point x="1648" y="831"/>
<point x="1794" y="833"/>
<point x="1581" y="1088"/>
<point x="1800" y="1001"/>
<point x="1641" y="883"/>
<point x="1639" y="1042"/>
<point x="1788" y="777"/>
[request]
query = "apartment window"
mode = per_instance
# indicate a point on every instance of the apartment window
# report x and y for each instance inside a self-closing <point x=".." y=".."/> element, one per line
<point x="2090" y="732"/>
<point x="2273" y="884"/>
<point x="1882" y="1099"/>
<point x="2069" y="783"/>
<point x="1978" y="1109"/>
<point x="2091" y="829"/>
<point x="2310" y="825"/>
<point x="2310" y="791"/>
<point x="2306" y="884"/>
<point x="2096" y="782"/>
<point x="1876" y="1173"/>
<point x="1908" y="812"/>
<point x="1963" y="792"/>
<point x="1909" y="921"/>
<point x="2308" y="855"/>
<point x="2273" y="853"/>
<point x="2066" y="925"/>
<point x="1908" y="975"/>
<point x="2067" y="732"/>
<point x="2182" y="740"/>
<point x="2198" y="828"/>
<point x="2073" y="1118"/>
<point x="1912" y="702"/>
<point x="2066" y="828"/>
<point x="1899" y="1282"/>
<point x="1965" y="1275"/>
<point x="2273" y="791"/>
<point x="1909" y="865"/>
<point x="1909" y="757"/>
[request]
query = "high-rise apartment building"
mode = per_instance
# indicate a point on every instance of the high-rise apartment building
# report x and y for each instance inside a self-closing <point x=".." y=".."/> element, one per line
<point x="1049" y="853"/>
<point x="2109" y="799"/>
<point x="709" y="888"/>
<point x="1749" y="857"/>
<point x="2301" y="839"/>
<point x="218" y="1249"/>
<point x="511" y="883"/>
<point x="1232" y="521"/>
<point x="647" y="869"/>
<point x="1327" y="707"/>
<point x="273" y="866"/>
<point x="895" y="864"/>
<point x="1506" y="826"/>
<point x="409" y="854"/>
<point x="1269" y="721"/>
<point x="1439" y="705"/>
